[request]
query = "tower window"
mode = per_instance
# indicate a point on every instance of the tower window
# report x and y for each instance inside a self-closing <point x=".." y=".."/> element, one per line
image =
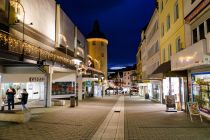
<point x="94" y="43"/>
<point x="102" y="43"/>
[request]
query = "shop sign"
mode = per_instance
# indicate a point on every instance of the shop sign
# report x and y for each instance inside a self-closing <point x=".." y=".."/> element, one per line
<point x="205" y="110"/>
<point x="36" y="79"/>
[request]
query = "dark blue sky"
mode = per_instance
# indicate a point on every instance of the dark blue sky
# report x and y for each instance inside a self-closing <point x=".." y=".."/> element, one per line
<point x="120" y="20"/>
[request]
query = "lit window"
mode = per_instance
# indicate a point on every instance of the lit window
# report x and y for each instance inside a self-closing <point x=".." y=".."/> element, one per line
<point x="169" y="52"/>
<point x="161" y="6"/>
<point x="164" y="55"/>
<point x="162" y="30"/>
<point x="176" y="11"/>
<point x="94" y="43"/>
<point x="168" y="24"/>
<point x="178" y="44"/>
<point x="102" y="43"/>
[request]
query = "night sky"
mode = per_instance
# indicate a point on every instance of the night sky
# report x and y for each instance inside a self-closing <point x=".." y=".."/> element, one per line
<point x="120" y="20"/>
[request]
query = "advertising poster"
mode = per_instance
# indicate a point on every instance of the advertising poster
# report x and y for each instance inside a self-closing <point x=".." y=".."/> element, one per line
<point x="193" y="108"/>
<point x="170" y="103"/>
<point x="62" y="88"/>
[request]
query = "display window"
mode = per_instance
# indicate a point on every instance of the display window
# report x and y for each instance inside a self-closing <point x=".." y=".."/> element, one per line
<point x="201" y="90"/>
<point x="63" y="88"/>
<point x="35" y="89"/>
<point x="156" y="91"/>
<point x="175" y="86"/>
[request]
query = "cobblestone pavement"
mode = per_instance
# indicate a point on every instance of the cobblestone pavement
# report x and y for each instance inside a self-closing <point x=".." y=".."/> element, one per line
<point x="61" y="123"/>
<point x="145" y="120"/>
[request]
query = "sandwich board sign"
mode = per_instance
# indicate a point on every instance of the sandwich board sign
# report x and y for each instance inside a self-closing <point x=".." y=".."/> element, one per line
<point x="194" y="110"/>
<point x="170" y="103"/>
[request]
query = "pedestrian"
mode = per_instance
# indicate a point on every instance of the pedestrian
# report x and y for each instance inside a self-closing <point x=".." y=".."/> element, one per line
<point x="24" y="99"/>
<point x="10" y="97"/>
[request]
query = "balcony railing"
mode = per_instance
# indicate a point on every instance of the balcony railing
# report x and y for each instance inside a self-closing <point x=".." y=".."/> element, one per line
<point x="17" y="46"/>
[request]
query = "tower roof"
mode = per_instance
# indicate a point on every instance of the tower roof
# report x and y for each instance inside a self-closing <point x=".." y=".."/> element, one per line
<point x="96" y="33"/>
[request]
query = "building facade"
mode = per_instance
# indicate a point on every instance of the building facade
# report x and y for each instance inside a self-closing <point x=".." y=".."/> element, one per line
<point x="97" y="48"/>
<point x="38" y="47"/>
<point x="195" y="57"/>
<point x="172" y="41"/>
<point x="152" y="61"/>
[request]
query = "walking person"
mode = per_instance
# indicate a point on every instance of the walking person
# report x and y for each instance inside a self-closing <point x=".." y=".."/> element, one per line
<point x="24" y="99"/>
<point x="10" y="97"/>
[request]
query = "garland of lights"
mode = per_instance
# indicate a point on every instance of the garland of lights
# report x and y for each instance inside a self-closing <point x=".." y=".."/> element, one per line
<point x="20" y="47"/>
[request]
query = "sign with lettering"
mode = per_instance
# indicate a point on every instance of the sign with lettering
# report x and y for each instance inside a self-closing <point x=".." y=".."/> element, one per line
<point x="36" y="79"/>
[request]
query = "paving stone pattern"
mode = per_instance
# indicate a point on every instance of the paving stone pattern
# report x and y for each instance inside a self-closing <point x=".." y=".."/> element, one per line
<point x="61" y="123"/>
<point x="145" y="120"/>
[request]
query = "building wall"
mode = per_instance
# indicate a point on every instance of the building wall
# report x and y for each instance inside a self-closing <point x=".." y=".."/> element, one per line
<point x="4" y="12"/>
<point x="200" y="18"/>
<point x="127" y="78"/>
<point x="144" y="58"/>
<point x="152" y="45"/>
<point x="189" y="6"/>
<point x="42" y="14"/>
<point x="138" y="66"/>
<point x="97" y="49"/>
<point x="176" y="27"/>
<point x="67" y="31"/>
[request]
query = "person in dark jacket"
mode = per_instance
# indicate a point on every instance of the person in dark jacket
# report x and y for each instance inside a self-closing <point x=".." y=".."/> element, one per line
<point x="24" y="99"/>
<point x="10" y="97"/>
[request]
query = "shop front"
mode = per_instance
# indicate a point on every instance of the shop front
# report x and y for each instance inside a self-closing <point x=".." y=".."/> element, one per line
<point x="92" y="87"/>
<point x="156" y="85"/>
<point x="63" y="85"/>
<point x="145" y="90"/>
<point x="175" y="86"/>
<point x="200" y="83"/>
<point x="33" y="83"/>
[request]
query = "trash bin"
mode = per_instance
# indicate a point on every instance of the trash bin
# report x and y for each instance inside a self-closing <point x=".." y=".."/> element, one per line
<point x="2" y="108"/>
<point x="146" y="96"/>
<point x="72" y="101"/>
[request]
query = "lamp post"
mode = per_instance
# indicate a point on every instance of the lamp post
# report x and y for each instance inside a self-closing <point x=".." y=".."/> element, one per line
<point x="12" y="2"/>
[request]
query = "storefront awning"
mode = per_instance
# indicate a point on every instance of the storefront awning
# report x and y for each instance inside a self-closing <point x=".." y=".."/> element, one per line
<point x="94" y="71"/>
<point x="165" y="69"/>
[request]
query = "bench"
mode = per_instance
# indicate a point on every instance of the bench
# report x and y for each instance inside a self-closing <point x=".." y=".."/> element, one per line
<point x="58" y="102"/>
<point x="17" y="116"/>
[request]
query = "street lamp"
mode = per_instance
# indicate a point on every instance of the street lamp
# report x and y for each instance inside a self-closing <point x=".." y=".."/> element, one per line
<point x="77" y="64"/>
<point x="12" y="3"/>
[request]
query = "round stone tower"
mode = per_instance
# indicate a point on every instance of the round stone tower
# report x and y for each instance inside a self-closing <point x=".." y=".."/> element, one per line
<point x="97" y="47"/>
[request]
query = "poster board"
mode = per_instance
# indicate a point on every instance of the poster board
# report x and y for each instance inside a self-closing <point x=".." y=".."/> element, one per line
<point x="194" y="110"/>
<point x="170" y="103"/>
